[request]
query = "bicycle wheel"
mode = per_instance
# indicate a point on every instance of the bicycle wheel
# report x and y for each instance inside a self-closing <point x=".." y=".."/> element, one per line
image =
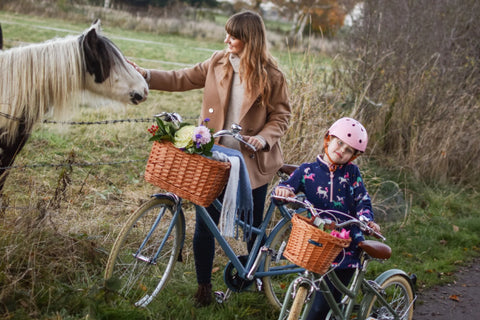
<point x="276" y="286"/>
<point x="298" y="303"/>
<point x="398" y="293"/>
<point x="145" y="252"/>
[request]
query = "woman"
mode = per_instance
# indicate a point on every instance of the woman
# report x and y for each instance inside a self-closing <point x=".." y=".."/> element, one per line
<point x="242" y="84"/>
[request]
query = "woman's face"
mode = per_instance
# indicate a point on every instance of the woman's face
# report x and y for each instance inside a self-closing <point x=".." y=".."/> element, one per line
<point x="235" y="45"/>
<point x="339" y="151"/>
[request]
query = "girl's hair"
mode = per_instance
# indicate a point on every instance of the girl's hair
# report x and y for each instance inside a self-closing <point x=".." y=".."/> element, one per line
<point x="248" y="27"/>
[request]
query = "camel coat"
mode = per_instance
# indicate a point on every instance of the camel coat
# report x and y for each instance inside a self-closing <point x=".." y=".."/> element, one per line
<point x="271" y="122"/>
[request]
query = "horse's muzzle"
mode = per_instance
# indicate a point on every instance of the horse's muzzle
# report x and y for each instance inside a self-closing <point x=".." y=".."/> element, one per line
<point x="137" y="98"/>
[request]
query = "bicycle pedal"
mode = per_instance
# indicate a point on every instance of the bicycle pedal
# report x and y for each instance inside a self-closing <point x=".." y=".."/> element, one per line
<point x="221" y="297"/>
<point x="259" y="284"/>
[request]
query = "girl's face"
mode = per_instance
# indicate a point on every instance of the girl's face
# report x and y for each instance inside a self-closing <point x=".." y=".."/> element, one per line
<point x="339" y="151"/>
<point x="235" y="45"/>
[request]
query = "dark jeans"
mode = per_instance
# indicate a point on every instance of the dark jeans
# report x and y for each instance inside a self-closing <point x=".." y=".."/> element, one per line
<point x="204" y="242"/>
<point x="320" y="307"/>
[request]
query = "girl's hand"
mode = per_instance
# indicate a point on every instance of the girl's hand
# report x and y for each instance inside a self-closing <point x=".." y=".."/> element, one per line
<point x="284" y="192"/>
<point x="374" y="226"/>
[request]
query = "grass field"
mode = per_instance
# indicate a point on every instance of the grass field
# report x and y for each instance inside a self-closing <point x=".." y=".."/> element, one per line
<point x="58" y="222"/>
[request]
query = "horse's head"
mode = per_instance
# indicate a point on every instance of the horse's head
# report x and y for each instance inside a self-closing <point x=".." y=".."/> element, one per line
<point x="108" y="73"/>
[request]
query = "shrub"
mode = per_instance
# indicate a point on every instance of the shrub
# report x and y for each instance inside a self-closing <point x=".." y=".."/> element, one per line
<point x="413" y="70"/>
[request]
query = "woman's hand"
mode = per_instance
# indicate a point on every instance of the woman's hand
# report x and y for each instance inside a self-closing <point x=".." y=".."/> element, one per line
<point x="141" y="70"/>
<point x="254" y="141"/>
<point x="284" y="192"/>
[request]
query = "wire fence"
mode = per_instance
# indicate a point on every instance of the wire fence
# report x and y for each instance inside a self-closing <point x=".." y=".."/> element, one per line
<point x="87" y="164"/>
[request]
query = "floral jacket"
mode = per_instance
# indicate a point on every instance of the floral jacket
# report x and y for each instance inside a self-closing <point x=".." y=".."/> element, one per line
<point x="342" y="190"/>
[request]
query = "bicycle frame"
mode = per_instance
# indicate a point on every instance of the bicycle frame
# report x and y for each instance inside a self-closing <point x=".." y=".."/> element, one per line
<point x="254" y="261"/>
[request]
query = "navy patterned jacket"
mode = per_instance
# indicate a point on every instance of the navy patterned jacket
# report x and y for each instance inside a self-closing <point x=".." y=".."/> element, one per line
<point x="342" y="190"/>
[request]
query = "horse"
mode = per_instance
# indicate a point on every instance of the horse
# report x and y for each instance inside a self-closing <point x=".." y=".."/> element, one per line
<point x="51" y="77"/>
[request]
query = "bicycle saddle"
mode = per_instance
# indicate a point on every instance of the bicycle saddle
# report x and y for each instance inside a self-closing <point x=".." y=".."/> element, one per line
<point x="376" y="249"/>
<point x="288" y="168"/>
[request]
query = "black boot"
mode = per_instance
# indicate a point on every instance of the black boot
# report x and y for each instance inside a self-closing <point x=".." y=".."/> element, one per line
<point x="203" y="297"/>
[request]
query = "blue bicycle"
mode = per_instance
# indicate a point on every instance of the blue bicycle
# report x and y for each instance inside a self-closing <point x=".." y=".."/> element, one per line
<point x="144" y="254"/>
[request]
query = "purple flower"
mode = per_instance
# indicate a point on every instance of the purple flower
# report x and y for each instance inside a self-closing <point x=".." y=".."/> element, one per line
<point x="201" y="135"/>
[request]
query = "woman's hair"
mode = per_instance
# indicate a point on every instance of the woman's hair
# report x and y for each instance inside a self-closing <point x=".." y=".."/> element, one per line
<point x="248" y="27"/>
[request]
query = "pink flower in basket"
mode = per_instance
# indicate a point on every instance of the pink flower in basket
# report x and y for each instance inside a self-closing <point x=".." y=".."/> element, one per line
<point x="344" y="234"/>
<point x="201" y="136"/>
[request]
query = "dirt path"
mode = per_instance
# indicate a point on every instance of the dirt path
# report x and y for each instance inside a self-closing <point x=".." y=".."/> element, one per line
<point x="459" y="300"/>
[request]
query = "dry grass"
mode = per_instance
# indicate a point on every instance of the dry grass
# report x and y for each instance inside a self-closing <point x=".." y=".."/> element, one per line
<point x="414" y="73"/>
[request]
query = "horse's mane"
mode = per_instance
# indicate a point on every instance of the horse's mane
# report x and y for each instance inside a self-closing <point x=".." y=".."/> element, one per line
<point x="39" y="78"/>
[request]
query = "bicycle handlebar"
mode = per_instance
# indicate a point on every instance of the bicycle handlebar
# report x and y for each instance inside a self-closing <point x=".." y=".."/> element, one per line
<point x="362" y="224"/>
<point x="234" y="132"/>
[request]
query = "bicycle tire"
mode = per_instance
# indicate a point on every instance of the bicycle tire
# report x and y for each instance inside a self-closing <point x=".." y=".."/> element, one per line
<point x="130" y="271"/>
<point x="298" y="303"/>
<point x="276" y="287"/>
<point x="398" y="292"/>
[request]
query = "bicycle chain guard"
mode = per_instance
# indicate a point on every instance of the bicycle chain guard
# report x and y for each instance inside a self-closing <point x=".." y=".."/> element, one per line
<point x="233" y="281"/>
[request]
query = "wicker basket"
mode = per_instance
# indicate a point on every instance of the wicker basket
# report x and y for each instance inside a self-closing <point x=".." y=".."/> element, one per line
<point x="312" y="248"/>
<point x="190" y="176"/>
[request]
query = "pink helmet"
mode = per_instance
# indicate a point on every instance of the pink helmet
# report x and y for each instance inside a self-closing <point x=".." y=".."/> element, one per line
<point x="350" y="131"/>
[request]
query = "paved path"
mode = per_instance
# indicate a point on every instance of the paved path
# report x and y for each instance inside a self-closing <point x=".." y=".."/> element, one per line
<point x="456" y="301"/>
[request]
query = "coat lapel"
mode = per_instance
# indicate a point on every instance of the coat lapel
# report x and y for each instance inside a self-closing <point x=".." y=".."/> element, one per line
<point x="248" y="101"/>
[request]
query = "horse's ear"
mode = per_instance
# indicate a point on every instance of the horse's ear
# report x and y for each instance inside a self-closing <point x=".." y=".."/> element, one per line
<point x="97" y="60"/>
<point x="96" y="25"/>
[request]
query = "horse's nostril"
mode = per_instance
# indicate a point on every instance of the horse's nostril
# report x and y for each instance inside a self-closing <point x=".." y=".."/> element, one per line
<point x="137" y="97"/>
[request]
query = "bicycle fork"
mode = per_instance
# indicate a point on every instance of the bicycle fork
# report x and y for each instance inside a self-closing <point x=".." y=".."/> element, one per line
<point x="304" y="281"/>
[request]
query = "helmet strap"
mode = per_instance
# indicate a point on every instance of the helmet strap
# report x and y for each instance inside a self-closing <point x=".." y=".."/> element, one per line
<point x="333" y="166"/>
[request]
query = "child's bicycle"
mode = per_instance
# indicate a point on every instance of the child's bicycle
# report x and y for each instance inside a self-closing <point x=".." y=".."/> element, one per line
<point x="390" y="296"/>
<point x="150" y="243"/>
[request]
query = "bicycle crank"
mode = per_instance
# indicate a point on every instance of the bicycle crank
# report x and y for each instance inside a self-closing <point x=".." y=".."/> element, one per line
<point x="233" y="281"/>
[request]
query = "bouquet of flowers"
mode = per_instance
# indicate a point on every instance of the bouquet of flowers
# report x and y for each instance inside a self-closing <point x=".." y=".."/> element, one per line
<point x="189" y="138"/>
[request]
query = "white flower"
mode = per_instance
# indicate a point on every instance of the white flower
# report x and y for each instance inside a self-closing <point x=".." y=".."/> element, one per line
<point x="184" y="137"/>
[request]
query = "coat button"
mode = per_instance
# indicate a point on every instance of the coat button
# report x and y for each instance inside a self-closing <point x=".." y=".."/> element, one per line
<point x="210" y="110"/>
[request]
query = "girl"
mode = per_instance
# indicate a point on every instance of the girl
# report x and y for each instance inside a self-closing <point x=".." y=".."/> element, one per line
<point x="333" y="182"/>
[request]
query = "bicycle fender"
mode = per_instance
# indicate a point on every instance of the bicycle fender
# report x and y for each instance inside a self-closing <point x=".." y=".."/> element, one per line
<point x="380" y="280"/>
<point x="168" y="195"/>
<point x="387" y="274"/>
